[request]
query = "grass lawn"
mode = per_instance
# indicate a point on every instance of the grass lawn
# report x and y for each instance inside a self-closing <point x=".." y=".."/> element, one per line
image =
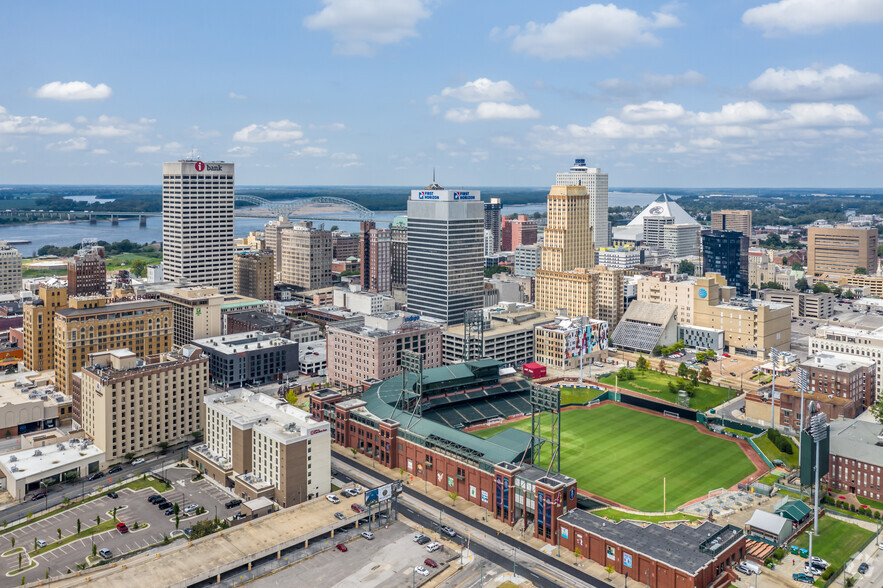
<point x="772" y="452"/>
<point x="656" y="384"/>
<point x="571" y="395"/>
<point x="115" y="262"/>
<point x="769" y="479"/>
<point x="623" y="455"/>
<point x="618" y="515"/>
<point x="836" y="541"/>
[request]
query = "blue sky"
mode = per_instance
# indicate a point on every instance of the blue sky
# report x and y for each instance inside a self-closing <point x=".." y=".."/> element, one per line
<point x="727" y="93"/>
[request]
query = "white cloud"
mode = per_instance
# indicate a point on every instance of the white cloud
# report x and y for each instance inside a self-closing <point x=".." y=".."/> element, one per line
<point x="654" y="110"/>
<point x="812" y="16"/>
<point x="199" y="133"/>
<point x="100" y="151"/>
<point x="823" y="114"/>
<point x="235" y="96"/>
<point x="242" y="150"/>
<point x="112" y="127"/>
<point x="272" y="132"/>
<point x="73" y="91"/>
<point x="482" y="90"/>
<point x="311" y="152"/>
<point x="816" y="83"/>
<point x="21" y="125"/>
<point x="72" y="144"/>
<point x="736" y="113"/>
<point x="353" y="164"/>
<point x="148" y="149"/>
<point x="610" y="127"/>
<point x="358" y="27"/>
<point x="492" y="111"/>
<point x="589" y="32"/>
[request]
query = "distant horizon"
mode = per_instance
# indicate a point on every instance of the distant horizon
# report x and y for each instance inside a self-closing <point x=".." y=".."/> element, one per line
<point x="476" y="186"/>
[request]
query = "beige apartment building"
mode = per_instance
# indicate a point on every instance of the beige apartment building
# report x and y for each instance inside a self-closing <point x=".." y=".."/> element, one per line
<point x="306" y="257"/>
<point x="553" y="351"/>
<point x="674" y="289"/>
<point x="749" y="325"/>
<point x="38" y="326"/>
<point x="820" y="306"/>
<point x="90" y="325"/>
<point x="197" y="312"/>
<point x="870" y="285"/>
<point x="132" y="405"/>
<point x="373" y="351"/>
<point x="732" y="220"/>
<point x="273" y="239"/>
<point x="10" y="269"/>
<point x="840" y="250"/>
<point x="254" y="274"/>
<point x="261" y="446"/>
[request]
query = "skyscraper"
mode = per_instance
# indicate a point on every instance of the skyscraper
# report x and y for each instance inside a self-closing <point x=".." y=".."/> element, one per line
<point x="732" y="220"/>
<point x="840" y="250"/>
<point x="10" y="269"/>
<point x="726" y="253"/>
<point x="87" y="270"/>
<point x="399" y="252"/>
<point x="273" y="239"/>
<point x="596" y="186"/>
<point x="254" y="274"/>
<point x="445" y="253"/>
<point x="375" y="263"/>
<point x="493" y="221"/>
<point x="198" y="223"/>
<point x="306" y="256"/>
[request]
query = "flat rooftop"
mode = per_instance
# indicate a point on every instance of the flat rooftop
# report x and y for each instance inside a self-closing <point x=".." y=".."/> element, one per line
<point x="240" y="342"/>
<point x="837" y="361"/>
<point x="858" y="440"/>
<point x="113" y="307"/>
<point x="29" y="463"/>
<point x="29" y="387"/>
<point x="272" y="416"/>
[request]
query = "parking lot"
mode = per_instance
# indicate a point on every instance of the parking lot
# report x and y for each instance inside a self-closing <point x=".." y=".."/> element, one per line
<point x="132" y="506"/>
<point x="387" y="560"/>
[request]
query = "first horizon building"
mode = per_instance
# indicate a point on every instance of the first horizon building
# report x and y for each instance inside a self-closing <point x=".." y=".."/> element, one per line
<point x="197" y="205"/>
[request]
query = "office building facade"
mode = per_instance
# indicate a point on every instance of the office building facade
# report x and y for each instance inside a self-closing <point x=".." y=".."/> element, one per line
<point x="840" y="250"/>
<point x="197" y="312"/>
<point x="87" y="271"/>
<point x="519" y="231"/>
<point x="254" y="273"/>
<point x="10" y="269"/>
<point x="398" y="231"/>
<point x="132" y="405"/>
<point x="38" y="326"/>
<point x="198" y="223"/>
<point x="681" y="240"/>
<point x="527" y="260"/>
<point x="732" y="220"/>
<point x="445" y="261"/>
<point x="726" y="253"/>
<point x="595" y="182"/>
<point x="375" y="261"/>
<point x="493" y="222"/>
<point x="251" y="358"/>
<point x="306" y="257"/>
<point x="273" y="239"/>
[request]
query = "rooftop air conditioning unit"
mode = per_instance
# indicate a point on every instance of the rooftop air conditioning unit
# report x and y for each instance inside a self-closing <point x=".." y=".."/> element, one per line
<point x="13" y="458"/>
<point x="37" y="453"/>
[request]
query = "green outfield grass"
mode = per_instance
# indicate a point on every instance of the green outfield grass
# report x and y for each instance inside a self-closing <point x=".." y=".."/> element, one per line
<point x="619" y="515"/>
<point x="571" y="395"/>
<point x="772" y="452"/>
<point x="656" y="384"/>
<point x="623" y="455"/>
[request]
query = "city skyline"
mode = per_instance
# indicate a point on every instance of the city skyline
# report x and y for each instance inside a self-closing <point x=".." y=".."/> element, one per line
<point x="678" y="94"/>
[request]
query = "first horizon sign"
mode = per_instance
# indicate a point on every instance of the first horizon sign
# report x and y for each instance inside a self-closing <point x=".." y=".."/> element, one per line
<point x="446" y="195"/>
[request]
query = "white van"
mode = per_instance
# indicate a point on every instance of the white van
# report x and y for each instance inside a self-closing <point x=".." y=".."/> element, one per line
<point x="753" y="566"/>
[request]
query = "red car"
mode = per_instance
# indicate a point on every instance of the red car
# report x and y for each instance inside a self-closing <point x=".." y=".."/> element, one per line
<point x="341" y="547"/>
<point x="357" y="507"/>
<point x="430" y="562"/>
<point x="122" y="528"/>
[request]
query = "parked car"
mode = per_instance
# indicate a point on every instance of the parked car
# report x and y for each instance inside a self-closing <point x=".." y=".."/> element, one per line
<point x="113" y="495"/>
<point x="169" y="511"/>
<point x="122" y="528"/>
<point x="367" y="535"/>
<point x="421" y="570"/>
<point x="339" y="515"/>
<point x="332" y="499"/>
<point x="863" y="569"/>
<point x="38" y="496"/>
<point x="138" y="461"/>
<point x="419" y="536"/>
<point x="819" y="562"/>
<point x="164" y="505"/>
<point x="41" y="543"/>
<point x="191" y="507"/>
<point x="448" y="531"/>
<point x="105" y="553"/>
<point x="341" y="547"/>
<point x="357" y="507"/>
<point x="96" y="476"/>
<point x="741" y="567"/>
<point x="115" y="469"/>
<point x="812" y="570"/>
<point x="433" y="547"/>
<point x="153" y="498"/>
<point x="802" y="578"/>
<point x="430" y="562"/>
<point x="232" y="503"/>
<point x="423" y="540"/>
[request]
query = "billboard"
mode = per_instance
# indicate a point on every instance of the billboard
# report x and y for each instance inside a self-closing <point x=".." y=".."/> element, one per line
<point x="383" y="493"/>
<point x="585" y="340"/>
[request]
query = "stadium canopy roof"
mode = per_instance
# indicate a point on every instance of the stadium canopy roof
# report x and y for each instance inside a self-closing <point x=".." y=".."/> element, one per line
<point x="794" y="510"/>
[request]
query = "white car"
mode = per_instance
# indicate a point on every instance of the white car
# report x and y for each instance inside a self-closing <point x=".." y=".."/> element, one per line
<point x="421" y="570"/>
<point x="138" y="461"/>
<point x="332" y="499"/>
<point x="190" y="508"/>
<point x="434" y="546"/>
<point x="41" y="543"/>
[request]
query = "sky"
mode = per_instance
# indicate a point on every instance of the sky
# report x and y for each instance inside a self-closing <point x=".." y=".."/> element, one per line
<point x="729" y="93"/>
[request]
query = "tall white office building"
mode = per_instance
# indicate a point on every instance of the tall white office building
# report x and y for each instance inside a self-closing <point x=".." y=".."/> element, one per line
<point x="445" y="253"/>
<point x="197" y="205"/>
<point x="596" y="185"/>
<point x="10" y="269"/>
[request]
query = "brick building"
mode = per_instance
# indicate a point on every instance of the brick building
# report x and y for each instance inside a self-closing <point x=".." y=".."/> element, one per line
<point x="856" y="458"/>
<point x="87" y="272"/>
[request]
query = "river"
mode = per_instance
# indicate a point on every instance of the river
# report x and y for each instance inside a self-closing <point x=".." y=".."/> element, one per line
<point x="62" y="233"/>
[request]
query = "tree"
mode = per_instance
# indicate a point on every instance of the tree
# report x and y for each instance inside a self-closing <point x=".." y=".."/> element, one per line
<point x="700" y="356"/>
<point x="138" y="267"/>
<point x="495" y="269"/>
<point x="453" y="496"/>
<point x="683" y="370"/>
<point x="97" y="520"/>
<point x="177" y="522"/>
<point x="176" y="508"/>
<point x="130" y="456"/>
<point x="13" y="541"/>
<point x="797" y="266"/>
<point x="577" y="553"/>
<point x="876" y="410"/>
<point x="686" y="267"/>
<point x="705" y="374"/>
<point x="94" y="550"/>
<point x="801" y="285"/>
<point x="642" y="363"/>
<point x="609" y="569"/>
<point x="661" y="367"/>
<point x="820" y="287"/>
<point x="849" y="294"/>
<point x="710" y="354"/>
<point x="114" y="513"/>
<point x="78" y="526"/>
<point x="773" y="241"/>
<point x="772" y="286"/>
<point x="35" y="544"/>
<point x="355" y="451"/>
<point x="626" y="374"/>
<point x="861" y="271"/>
<point x="334" y="228"/>
<point x="694" y="377"/>
<point x="59" y="534"/>
<point x="19" y="560"/>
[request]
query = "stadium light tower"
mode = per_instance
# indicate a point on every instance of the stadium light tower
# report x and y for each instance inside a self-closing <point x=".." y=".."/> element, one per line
<point x="774" y="357"/>
<point x="818" y="430"/>
<point x="803" y="384"/>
